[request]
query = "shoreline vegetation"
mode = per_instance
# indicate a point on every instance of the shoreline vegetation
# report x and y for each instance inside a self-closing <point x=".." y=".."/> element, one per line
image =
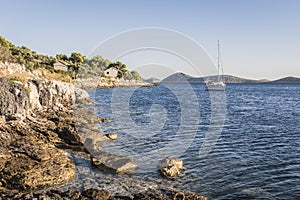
<point x="45" y="125"/>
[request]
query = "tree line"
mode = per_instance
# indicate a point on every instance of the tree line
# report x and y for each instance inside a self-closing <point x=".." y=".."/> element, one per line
<point x="78" y="65"/>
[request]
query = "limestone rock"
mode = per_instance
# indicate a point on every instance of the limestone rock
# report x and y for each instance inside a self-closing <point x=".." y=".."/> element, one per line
<point x="13" y="97"/>
<point x="112" y="136"/>
<point x="36" y="165"/>
<point x="170" y="167"/>
<point x="114" y="163"/>
<point x="82" y="96"/>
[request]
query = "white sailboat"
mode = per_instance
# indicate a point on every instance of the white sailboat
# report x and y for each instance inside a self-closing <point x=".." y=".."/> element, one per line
<point x="218" y="85"/>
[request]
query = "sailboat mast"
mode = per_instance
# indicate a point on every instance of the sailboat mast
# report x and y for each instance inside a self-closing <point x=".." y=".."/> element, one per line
<point x="218" y="60"/>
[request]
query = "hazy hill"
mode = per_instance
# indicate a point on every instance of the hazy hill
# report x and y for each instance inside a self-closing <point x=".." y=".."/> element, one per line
<point x="181" y="77"/>
<point x="226" y="78"/>
<point x="287" y="80"/>
<point x="177" y="78"/>
<point x="152" y="80"/>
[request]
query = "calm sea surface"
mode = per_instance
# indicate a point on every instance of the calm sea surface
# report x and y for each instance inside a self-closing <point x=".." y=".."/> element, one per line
<point x="254" y="154"/>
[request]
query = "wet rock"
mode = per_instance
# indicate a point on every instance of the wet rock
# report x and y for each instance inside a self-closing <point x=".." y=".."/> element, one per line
<point x="114" y="163"/>
<point x="170" y="167"/>
<point x="96" y="194"/>
<point x="147" y="196"/>
<point x="69" y="135"/>
<point x="104" y="120"/>
<point x="112" y="136"/>
<point x="193" y="196"/>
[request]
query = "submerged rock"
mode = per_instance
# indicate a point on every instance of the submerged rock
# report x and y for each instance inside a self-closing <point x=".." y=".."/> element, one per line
<point x="170" y="167"/>
<point x="114" y="163"/>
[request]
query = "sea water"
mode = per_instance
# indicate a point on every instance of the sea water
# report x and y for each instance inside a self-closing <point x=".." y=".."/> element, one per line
<point x="252" y="132"/>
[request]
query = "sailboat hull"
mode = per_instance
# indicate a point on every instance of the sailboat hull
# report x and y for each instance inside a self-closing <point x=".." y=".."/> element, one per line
<point x="215" y="86"/>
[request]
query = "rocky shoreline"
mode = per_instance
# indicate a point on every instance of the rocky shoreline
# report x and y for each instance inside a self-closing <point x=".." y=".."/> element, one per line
<point x="44" y="154"/>
<point x="93" y="83"/>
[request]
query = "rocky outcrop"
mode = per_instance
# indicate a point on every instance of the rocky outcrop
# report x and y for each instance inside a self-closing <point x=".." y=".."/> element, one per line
<point x="30" y="134"/>
<point x="18" y="98"/>
<point x="38" y="119"/>
<point x="170" y="167"/>
<point x="29" y="157"/>
<point x="50" y="94"/>
<point x="36" y="165"/>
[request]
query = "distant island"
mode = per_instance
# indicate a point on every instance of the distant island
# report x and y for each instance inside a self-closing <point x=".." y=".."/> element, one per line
<point x="181" y="77"/>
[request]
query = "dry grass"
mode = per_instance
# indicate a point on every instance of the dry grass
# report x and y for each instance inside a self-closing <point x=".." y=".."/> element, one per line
<point x="16" y="76"/>
<point x="23" y="77"/>
<point x="56" y="76"/>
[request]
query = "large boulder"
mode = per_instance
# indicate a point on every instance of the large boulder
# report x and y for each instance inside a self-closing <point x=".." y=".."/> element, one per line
<point x="114" y="163"/>
<point x="82" y="96"/>
<point x="170" y="167"/>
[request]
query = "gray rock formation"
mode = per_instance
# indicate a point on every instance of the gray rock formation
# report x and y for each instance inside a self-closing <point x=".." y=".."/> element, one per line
<point x="13" y="98"/>
<point x="50" y="94"/>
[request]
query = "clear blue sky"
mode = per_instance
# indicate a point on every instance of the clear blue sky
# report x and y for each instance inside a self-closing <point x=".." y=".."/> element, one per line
<point x="260" y="38"/>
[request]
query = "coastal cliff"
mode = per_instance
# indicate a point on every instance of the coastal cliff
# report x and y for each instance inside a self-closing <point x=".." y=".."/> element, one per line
<point x="29" y="156"/>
